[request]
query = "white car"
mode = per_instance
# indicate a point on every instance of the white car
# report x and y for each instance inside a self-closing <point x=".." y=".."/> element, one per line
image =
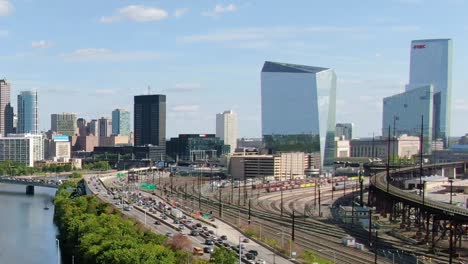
<point x="260" y="261"/>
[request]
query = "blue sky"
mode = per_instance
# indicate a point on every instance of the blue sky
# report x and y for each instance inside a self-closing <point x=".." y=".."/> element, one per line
<point x="90" y="57"/>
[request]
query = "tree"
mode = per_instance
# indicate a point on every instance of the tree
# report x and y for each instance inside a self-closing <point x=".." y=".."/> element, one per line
<point x="76" y="175"/>
<point x="225" y="256"/>
<point x="179" y="242"/>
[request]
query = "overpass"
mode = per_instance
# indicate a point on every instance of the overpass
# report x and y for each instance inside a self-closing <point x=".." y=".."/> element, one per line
<point x="431" y="220"/>
<point x="30" y="183"/>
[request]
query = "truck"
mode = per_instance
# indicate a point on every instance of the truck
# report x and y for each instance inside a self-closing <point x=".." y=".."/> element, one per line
<point x="176" y="213"/>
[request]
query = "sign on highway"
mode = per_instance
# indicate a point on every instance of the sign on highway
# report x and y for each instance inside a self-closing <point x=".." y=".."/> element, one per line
<point x="148" y="186"/>
<point x="120" y="175"/>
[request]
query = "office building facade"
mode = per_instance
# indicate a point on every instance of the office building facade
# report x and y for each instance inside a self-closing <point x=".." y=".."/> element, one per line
<point x="121" y="122"/>
<point x="226" y="129"/>
<point x="344" y="130"/>
<point x="93" y="128"/>
<point x="24" y="148"/>
<point x="105" y="127"/>
<point x="196" y="147"/>
<point x="10" y="118"/>
<point x="149" y="122"/>
<point x="27" y="112"/>
<point x="64" y="124"/>
<point x="403" y="146"/>
<point x="298" y="109"/>
<point x="5" y="89"/>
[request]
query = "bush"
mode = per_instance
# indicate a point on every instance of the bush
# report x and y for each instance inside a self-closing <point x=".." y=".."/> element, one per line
<point x="76" y="175"/>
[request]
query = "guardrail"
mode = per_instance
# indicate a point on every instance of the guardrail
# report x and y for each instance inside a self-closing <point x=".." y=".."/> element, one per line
<point x="380" y="182"/>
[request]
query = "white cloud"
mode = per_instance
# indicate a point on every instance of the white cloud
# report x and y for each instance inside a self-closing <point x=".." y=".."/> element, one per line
<point x="137" y="13"/>
<point x="181" y="12"/>
<point x="219" y="9"/>
<point x="6" y="8"/>
<point x="41" y="44"/>
<point x="186" y="108"/>
<point x="184" y="87"/>
<point x="101" y="54"/>
<point x="256" y="34"/>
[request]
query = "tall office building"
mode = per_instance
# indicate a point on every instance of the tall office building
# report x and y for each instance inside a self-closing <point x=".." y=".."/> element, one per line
<point x="344" y="130"/>
<point x="431" y="63"/>
<point x="121" y="122"/>
<point x="27" y="112"/>
<point x="105" y="127"/>
<point x="10" y="126"/>
<point x="226" y="128"/>
<point x="82" y="127"/>
<point x="5" y="90"/>
<point x="64" y="124"/>
<point x="149" y="120"/>
<point x="427" y="94"/>
<point x="93" y="127"/>
<point x="298" y="109"/>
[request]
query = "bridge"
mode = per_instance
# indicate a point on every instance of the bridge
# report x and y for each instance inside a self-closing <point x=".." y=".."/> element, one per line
<point x="432" y="221"/>
<point x="31" y="183"/>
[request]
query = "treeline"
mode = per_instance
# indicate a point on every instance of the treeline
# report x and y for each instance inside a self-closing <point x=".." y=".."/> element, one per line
<point x="13" y="168"/>
<point x="98" y="165"/>
<point x="94" y="232"/>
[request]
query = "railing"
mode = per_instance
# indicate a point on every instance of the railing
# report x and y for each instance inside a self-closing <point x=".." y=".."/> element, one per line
<point x="33" y="183"/>
<point x="380" y="182"/>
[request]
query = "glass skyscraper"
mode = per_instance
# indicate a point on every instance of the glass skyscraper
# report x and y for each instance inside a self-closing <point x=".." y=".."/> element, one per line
<point x="149" y="120"/>
<point x="27" y="112"/>
<point x="121" y="122"/>
<point x="428" y="94"/>
<point x="298" y="109"/>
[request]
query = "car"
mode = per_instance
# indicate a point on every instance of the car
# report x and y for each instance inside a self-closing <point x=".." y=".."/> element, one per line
<point x="246" y="240"/>
<point x="226" y="244"/>
<point x="209" y="242"/>
<point x="164" y="217"/>
<point x="250" y="256"/>
<point x="199" y="225"/>
<point x="194" y="233"/>
<point x="176" y="222"/>
<point x="208" y="250"/>
<point x="211" y="232"/>
<point x="157" y="222"/>
<point x="260" y="261"/>
<point x="254" y="252"/>
<point x="181" y="227"/>
<point x="205" y="228"/>
<point x="198" y="251"/>
<point x="241" y="246"/>
<point x="169" y="234"/>
<point x="223" y="237"/>
<point x="235" y="249"/>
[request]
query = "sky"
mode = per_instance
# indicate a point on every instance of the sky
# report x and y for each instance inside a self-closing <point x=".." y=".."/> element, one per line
<point x="90" y="57"/>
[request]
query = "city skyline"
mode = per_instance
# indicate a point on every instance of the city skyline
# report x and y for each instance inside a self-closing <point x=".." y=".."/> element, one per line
<point x="369" y="54"/>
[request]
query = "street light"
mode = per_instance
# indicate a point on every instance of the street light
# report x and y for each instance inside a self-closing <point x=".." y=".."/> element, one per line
<point x="330" y="250"/>
<point x="58" y="250"/>
<point x="240" y="250"/>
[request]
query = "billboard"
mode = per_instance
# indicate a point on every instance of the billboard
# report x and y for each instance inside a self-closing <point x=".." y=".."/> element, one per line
<point x="60" y="138"/>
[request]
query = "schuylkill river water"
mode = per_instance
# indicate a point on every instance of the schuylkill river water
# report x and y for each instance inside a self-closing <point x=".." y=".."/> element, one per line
<point x="27" y="231"/>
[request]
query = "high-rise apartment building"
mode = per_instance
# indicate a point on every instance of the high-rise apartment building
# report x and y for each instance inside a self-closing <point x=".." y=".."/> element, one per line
<point x="82" y="127"/>
<point x="121" y="122"/>
<point x="10" y="126"/>
<point x="105" y="127"/>
<point x="64" y="124"/>
<point x="149" y="120"/>
<point x="344" y="130"/>
<point x="5" y="90"/>
<point x="427" y="95"/>
<point x="298" y="109"/>
<point x="226" y="128"/>
<point x="27" y="112"/>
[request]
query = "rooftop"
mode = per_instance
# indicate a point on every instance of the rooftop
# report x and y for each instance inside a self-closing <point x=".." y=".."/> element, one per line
<point x="285" y="67"/>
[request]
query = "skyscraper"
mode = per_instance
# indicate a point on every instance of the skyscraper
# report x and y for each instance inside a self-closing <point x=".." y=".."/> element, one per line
<point x="27" y="112"/>
<point x="93" y="127"/>
<point x="431" y="64"/>
<point x="64" y="123"/>
<point x="427" y="95"/>
<point x="298" y="109"/>
<point x="121" y="122"/>
<point x="82" y="127"/>
<point x="149" y="120"/>
<point x="10" y="127"/>
<point x="5" y="89"/>
<point x="105" y="127"/>
<point x="226" y="128"/>
<point x="344" y="129"/>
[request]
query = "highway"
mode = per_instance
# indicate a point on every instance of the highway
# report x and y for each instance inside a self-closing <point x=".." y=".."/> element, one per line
<point x="218" y="229"/>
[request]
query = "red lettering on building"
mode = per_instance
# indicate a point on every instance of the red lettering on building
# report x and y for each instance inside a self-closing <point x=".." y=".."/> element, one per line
<point x="420" y="46"/>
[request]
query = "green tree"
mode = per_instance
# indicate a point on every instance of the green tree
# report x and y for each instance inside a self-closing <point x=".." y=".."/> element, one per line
<point x="225" y="256"/>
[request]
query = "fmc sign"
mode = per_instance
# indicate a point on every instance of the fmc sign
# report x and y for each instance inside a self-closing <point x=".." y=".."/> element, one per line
<point x="419" y="46"/>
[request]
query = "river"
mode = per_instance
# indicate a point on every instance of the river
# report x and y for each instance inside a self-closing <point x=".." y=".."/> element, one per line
<point x="27" y="231"/>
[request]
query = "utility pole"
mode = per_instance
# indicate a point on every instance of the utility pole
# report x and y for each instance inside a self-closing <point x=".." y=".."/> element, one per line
<point x="388" y="159"/>
<point x="315" y="193"/>
<point x="361" y="183"/>
<point x="293" y="226"/>
<point x="421" y="154"/>
<point x="320" y="202"/>
<point x="185" y="194"/>
<point x="281" y="206"/>
<point x="370" y="226"/>
<point x="250" y="213"/>
<point x="375" y="247"/>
